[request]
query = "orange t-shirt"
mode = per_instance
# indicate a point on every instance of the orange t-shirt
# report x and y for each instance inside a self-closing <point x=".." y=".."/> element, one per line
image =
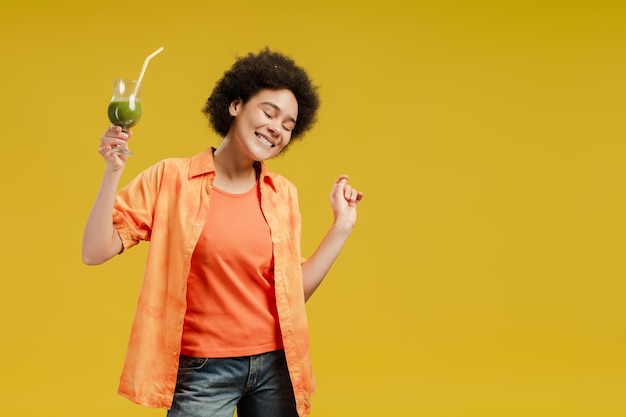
<point x="231" y="303"/>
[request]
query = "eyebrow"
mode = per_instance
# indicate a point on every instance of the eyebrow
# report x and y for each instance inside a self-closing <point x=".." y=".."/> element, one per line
<point x="274" y="106"/>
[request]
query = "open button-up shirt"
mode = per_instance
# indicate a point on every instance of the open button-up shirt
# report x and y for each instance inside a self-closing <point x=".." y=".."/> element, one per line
<point x="167" y="205"/>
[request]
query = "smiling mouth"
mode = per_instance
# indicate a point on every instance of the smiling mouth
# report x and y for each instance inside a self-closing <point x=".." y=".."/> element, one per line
<point x="264" y="140"/>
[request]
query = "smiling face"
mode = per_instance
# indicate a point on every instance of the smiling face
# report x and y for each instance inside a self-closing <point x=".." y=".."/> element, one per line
<point x="262" y="126"/>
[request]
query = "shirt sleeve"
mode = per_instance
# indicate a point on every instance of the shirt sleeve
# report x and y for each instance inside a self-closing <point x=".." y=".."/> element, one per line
<point x="133" y="211"/>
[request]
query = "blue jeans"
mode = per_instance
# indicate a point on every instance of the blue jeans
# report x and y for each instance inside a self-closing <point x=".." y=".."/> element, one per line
<point x="257" y="386"/>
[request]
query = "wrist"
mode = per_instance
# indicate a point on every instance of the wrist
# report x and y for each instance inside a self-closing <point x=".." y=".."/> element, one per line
<point x="341" y="228"/>
<point x="113" y="173"/>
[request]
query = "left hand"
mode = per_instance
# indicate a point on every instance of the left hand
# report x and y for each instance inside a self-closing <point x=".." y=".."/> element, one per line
<point x="344" y="200"/>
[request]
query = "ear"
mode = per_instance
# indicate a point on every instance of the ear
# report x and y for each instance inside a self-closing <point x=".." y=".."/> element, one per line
<point x="235" y="107"/>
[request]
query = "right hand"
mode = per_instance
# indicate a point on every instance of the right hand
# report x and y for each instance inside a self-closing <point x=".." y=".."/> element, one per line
<point x="109" y="140"/>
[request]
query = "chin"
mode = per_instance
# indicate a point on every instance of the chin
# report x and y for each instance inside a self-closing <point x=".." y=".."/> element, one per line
<point x="263" y="153"/>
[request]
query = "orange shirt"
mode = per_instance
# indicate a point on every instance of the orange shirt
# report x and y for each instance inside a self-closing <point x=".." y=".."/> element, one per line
<point x="167" y="205"/>
<point x="231" y="305"/>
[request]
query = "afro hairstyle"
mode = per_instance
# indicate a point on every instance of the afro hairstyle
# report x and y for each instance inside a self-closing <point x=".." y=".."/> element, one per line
<point x="255" y="72"/>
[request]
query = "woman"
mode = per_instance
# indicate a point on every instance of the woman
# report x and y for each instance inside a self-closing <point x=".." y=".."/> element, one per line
<point x="221" y="322"/>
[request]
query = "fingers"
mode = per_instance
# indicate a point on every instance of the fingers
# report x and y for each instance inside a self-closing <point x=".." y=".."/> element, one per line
<point x="112" y="137"/>
<point x="341" y="178"/>
<point x="111" y="143"/>
<point x="350" y="194"/>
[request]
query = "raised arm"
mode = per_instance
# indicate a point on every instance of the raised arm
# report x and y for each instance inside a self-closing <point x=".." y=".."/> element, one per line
<point x="100" y="240"/>
<point x="343" y="200"/>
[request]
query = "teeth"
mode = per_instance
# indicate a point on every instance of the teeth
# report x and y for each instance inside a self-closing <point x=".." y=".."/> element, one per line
<point x="265" y="141"/>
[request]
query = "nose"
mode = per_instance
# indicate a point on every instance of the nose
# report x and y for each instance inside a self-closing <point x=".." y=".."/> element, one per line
<point x="275" y="127"/>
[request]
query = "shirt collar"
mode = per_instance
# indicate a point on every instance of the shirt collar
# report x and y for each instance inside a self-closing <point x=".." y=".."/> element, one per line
<point x="203" y="163"/>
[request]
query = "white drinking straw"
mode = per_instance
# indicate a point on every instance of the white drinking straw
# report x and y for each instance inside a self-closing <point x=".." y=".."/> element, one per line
<point x="143" y="69"/>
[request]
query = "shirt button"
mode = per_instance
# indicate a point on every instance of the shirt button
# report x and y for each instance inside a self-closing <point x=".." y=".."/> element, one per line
<point x="197" y="225"/>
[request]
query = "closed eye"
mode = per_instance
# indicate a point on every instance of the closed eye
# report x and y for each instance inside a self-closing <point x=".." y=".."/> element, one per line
<point x="271" y="116"/>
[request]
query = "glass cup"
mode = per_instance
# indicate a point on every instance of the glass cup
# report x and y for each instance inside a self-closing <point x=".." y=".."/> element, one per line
<point x="125" y="107"/>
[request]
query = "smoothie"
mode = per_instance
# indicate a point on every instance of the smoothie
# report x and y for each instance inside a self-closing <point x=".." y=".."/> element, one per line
<point x="124" y="113"/>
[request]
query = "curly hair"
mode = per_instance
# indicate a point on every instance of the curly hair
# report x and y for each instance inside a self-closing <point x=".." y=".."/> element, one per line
<point x="253" y="73"/>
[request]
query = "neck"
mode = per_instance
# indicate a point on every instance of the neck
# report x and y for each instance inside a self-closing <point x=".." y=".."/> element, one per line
<point x="234" y="172"/>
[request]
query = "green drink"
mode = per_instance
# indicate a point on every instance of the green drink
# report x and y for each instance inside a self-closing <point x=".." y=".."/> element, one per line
<point x="124" y="108"/>
<point x="125" y="113"/>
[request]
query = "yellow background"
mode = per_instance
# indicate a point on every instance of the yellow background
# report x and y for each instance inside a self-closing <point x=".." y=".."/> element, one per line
<point x="485" y="276"/>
